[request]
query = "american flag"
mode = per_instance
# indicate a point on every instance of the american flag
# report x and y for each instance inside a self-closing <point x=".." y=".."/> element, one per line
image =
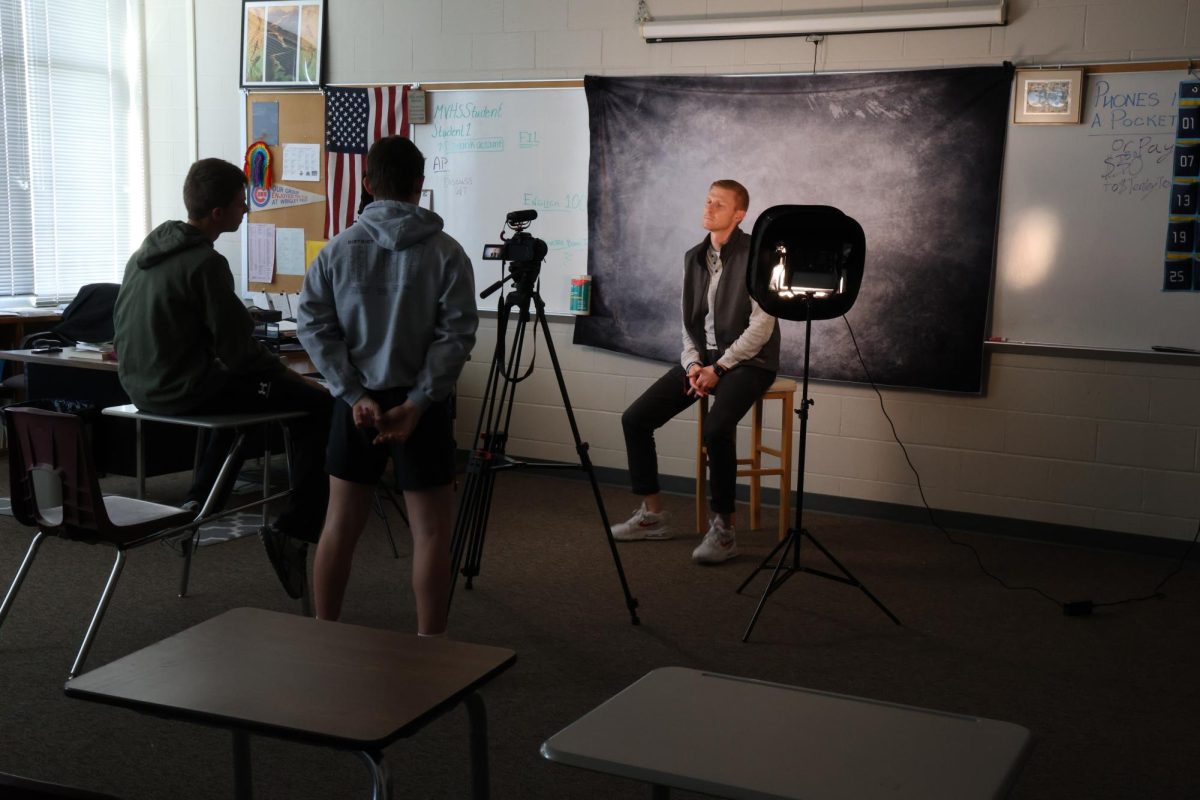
<point x="354" y="119"/>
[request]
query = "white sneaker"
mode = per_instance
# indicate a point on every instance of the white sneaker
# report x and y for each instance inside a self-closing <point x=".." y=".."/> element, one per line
<point x="642" y="525"/>
<point x="719" y="544"/>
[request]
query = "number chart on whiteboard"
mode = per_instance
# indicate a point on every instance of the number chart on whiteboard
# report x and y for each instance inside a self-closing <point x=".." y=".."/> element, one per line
<point x="1182" y="270"/>
<point x="492" y="151"/>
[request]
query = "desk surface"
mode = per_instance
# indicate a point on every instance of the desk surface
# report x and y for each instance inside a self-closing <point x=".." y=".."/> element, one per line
<point x="11" y="317"/>
<point x="739" y="738"/>
<point x="67" y="357"/>
<point x="212" y="421"/>
<point x="296" y="360"/>
<point x="296" y="678"/>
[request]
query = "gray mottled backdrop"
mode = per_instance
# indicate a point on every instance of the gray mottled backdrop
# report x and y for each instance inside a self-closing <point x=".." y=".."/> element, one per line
<point x="915" y="157"/>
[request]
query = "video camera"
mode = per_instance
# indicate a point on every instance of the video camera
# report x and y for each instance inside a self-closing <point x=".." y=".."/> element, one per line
<point x="523" y="248"/>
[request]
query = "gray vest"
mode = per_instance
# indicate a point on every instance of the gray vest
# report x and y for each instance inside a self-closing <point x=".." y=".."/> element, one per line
<point x="732" y="301"/>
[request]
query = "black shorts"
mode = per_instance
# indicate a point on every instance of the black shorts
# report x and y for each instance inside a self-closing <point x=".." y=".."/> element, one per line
<point x="425" y="461"/>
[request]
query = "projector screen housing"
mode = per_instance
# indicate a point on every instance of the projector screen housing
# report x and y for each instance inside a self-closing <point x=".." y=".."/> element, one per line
<point x="683" y="29"/>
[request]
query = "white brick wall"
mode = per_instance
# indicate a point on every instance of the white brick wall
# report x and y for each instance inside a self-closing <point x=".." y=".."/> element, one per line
<point x="167" y="111"/>
<point x="1104" y="444"/>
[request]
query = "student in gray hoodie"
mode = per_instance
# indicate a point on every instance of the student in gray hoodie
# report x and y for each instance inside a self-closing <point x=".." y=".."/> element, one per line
<point x="388" y="316"/>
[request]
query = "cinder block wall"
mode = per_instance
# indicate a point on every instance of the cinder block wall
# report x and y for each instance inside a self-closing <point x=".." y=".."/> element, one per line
<point x="1108" y="445"/>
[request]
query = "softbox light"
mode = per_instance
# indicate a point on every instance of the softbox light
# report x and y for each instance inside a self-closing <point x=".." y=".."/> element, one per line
<point x="806" y="262"/>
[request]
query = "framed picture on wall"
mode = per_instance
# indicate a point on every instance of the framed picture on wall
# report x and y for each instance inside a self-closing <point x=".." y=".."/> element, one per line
<point x="282" y="43"/>
<point x="1048" y="96"/>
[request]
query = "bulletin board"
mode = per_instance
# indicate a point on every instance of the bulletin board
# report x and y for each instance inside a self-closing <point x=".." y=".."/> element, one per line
<point x="301" y="121"/>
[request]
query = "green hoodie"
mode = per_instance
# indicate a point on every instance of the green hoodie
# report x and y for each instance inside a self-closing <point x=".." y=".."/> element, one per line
<point x="181" y="331"/>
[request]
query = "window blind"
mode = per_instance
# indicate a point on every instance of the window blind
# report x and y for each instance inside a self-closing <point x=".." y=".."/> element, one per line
<point x="72" y="144"/>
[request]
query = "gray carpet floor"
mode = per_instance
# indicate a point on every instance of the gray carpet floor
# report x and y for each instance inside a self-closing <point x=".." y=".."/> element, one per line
<point x="1112" y="699"/>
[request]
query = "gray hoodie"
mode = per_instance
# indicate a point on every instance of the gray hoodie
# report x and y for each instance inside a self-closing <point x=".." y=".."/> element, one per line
<point x="390" y="303"/>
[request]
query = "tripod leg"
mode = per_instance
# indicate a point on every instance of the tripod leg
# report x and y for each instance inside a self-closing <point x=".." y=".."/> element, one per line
<point x="497" y="442"/>
<point x="490" y="442"/>
<point x="464" y="524"/>
<point x="581" y="447"/>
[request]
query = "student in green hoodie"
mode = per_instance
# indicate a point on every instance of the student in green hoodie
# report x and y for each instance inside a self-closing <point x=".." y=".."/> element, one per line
<point x="185" y="345"/>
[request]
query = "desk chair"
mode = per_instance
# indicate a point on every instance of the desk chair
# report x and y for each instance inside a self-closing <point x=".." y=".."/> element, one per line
<point x="48" y="451"/>
<point x="783" y="390"/>
<point x="239" y="423"/>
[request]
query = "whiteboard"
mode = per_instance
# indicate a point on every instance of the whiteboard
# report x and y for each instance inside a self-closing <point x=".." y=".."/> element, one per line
<point x="1083" y="224"/>
<point x="492" y="151"/>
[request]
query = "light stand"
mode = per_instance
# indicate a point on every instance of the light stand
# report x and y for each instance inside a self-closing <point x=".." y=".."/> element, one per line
<point x="806" y="262"/>
<point x="491" y="436"/>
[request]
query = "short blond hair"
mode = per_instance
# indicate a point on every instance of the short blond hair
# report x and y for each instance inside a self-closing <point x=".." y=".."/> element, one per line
<point x="739" y="191"/>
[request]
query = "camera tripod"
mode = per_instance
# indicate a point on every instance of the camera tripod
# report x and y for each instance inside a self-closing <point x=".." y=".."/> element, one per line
<point x="781" y="570"/>
<point x="491" y="436"/>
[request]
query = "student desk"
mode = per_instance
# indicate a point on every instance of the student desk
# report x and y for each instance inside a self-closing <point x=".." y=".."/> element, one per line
<point x="741" y="738"/>
<point x="305" y="680"/>
<point x="207" y="422"/>
<point x="83" y="375"/>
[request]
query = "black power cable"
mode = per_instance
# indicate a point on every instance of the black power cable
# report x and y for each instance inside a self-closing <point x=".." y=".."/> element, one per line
<point x="1073" y="608"/>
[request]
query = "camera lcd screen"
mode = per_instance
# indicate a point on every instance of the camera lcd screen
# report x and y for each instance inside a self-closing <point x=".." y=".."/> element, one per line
<point x="493" y="252"/>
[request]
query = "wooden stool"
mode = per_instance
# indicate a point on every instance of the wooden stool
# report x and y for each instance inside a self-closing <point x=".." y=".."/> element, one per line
<point x="783" y="390"/>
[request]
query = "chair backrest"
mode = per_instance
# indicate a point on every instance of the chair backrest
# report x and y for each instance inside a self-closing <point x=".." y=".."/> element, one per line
<point x="43" y="441"/>
<point x="89" y="317"/>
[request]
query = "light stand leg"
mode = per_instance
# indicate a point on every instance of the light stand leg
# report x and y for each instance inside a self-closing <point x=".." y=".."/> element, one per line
<point x="781" y="570"/>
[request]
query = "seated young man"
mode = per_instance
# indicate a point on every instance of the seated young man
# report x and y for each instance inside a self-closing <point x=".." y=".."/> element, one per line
<point x="185" y="345"/>
<point x="730" y="351"/>
<point x="388" y="316"/>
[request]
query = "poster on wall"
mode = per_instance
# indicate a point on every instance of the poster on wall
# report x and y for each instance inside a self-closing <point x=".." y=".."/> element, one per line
<point x="281" y="43"/>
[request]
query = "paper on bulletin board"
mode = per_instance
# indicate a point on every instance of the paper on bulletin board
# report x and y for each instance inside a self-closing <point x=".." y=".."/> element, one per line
<point x="312" y="247"/>
<point x="301" y="162"/>
<point x="289" y="251"/>
<point x="260" y="247"/>
<point x="264" y="121"/>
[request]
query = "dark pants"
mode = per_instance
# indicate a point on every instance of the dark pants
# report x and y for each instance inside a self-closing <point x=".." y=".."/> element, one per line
<point x="304" y="514"/>
<point x="734" y="396"/>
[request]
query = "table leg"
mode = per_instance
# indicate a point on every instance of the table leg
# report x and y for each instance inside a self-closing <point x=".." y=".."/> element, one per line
<point x="266" y="477"/>
<point x="477" y="715"/>
<point x="141" y="462"/>
<point x="381" y="781"/>
<point x="242" y="785"/>
<point x="187" y="546"/>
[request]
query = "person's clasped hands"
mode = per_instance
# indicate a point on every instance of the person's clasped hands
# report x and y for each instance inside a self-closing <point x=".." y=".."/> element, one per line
<point x="701" y="381"/>
<point x="391" y="426"/>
